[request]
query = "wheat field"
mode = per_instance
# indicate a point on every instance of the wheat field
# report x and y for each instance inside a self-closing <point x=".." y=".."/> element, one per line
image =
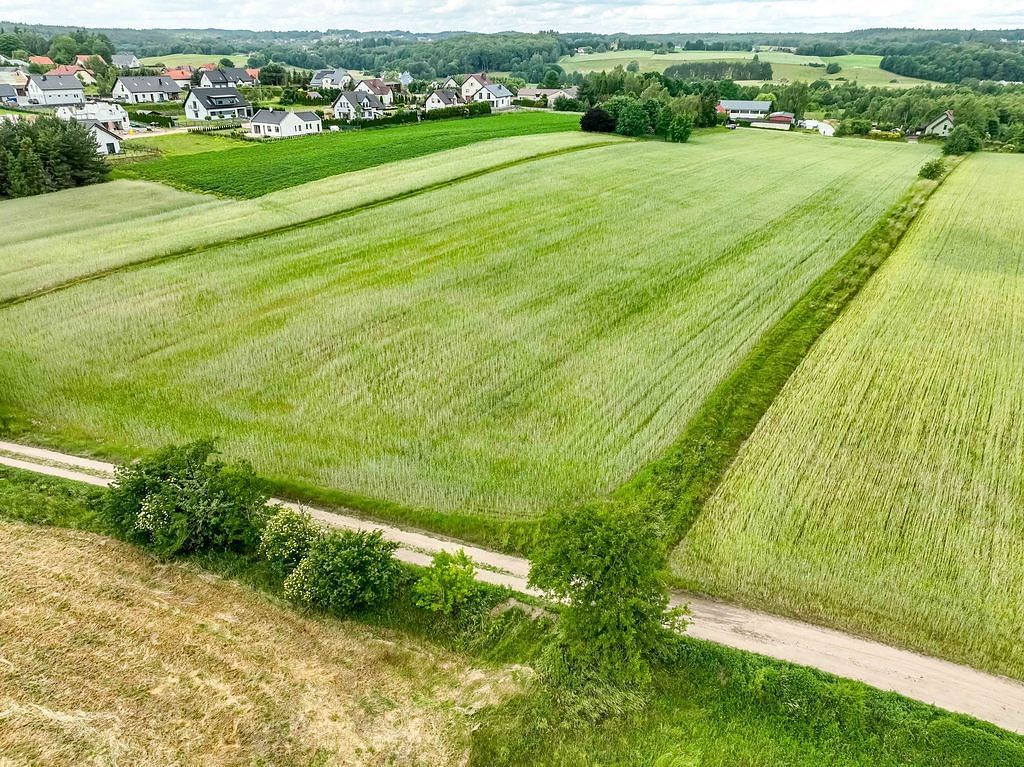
<point x="883" y="491"/>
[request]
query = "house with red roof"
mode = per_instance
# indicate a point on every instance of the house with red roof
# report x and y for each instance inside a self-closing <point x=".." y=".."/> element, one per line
<point x="81" y="73"/>
<point x="43" y="61"/>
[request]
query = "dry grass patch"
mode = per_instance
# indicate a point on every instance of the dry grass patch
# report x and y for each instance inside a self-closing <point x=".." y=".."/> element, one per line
<point x="110" y="657"/>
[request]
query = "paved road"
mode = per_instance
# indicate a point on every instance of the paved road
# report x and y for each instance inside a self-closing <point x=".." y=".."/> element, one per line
<point x="948" y="685"/>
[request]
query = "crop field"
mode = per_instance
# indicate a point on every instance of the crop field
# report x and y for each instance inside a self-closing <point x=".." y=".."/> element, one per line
<point x="255" y="171"/>
<point x="785" y="66"/>
<point x="193" y="59"/>
<point x="126" y="221"/>
<point x="882" y="492"/>
<point x="479" y="349"/>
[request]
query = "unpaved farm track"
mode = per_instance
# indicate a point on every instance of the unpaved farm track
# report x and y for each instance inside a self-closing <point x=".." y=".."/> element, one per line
<point x="950" y="686"/>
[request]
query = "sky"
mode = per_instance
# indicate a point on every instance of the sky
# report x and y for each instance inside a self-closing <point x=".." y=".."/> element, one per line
<point x="528" y="15"/>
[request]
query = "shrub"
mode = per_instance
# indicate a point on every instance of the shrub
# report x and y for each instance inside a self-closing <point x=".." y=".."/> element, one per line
<point x="287" y="538"/>
<point x="633" y="120"/>
<point x="680" y="129"/>
<point x="833" y="68"/>
<point x="932" y="169"/>
<point x="344" y="572"/>
<point x="962" y="140"/>
<point x="854" y="127"/>
<point x="449" y="587"/>
<point x="181" y="501"/>
<point x="597" y="120"/>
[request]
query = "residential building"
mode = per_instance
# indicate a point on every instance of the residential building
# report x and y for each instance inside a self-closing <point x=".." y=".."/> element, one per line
<point x="216" y="104"/>
<point x="440" y="99"/>
<point x="497" y="94"/>
<point x="52" y="90"/>
<point x="82" y="59"/>
<point x="228" y="77"/>
<point x="378" y="88"/>
<point x="550" y="95"/>
<point x="113" y="117"/>
<point x="106" y="142"/>
<point x="941" y="126"/>
<point x="331" y="78"/>
<point x="83" y="74"/>
<point x="472" y="84"/>
<point x="181" y="75"/>
<point x="745" y="111"/>
<point x="405" y="80"/>
<point x="8" y="94"/>
<point x="125" y="61"/>
<point x="143" y="90"/>
<point x="358" y="105"/>
<point x="279" y="123"/>
<point x="43" y="61"/>
<point x="15" y="78"/>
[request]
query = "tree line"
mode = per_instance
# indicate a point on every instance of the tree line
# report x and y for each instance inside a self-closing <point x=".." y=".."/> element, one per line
<point x="957" y="63"/>
<point x="46" y="155"/>
<point x="753" y="69"/>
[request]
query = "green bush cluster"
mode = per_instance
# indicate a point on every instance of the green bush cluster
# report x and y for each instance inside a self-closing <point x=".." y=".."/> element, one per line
<point x="449" y="587"/>
<point x="932" y="169"/>
<point x="963" y="139"/>
<point x="45" y="155"/>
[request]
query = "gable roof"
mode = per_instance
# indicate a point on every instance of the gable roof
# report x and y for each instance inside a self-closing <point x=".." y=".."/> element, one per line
<point x="536" y="93"/>
<point x="748" y="106"/>
<point x="181" y="73"/>
<point x="161" y="84"/>
<point x="481" y="77"/>
<point x="218" y="98"/>
<point x="83" y="58"/>
<point x="376" y="85"/>
<point x="93" y="125"/>
<point x="57" y="82"/>
<point x="7" y="91"/>
<point x="447" y="97"/>
<point x="66" y="69"/>
<point x="277" y="116"/>
<point x="123" y="59"/>
<point x="947" y="115"/>
<point x="228" y="75"/>
<point x="498" y="90"/>
<point x="45" y="61"/>
<point x="360" y="99"/>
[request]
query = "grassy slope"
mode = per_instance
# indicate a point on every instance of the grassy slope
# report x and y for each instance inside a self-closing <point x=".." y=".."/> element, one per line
<point x="148" y="221"/>
<point x="881" y="492"/>
<point x="177" y="144"/>
<point x="255" y="171"/>
<point x="193" y="59"/>
<point x="168" y="644"/>
<point x="425" y="371"/>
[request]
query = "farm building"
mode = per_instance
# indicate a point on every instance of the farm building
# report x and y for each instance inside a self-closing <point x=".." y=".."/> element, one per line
<point x="378" y="88"/>
<point x="106" y="142"/>
<point x="141" y="90"/>
<point x="358" y="105"/>
<point x="744" y="111"/>
<point x="228" y="77"/>
<point x="125" y="61"/>
<point x="278" y="123"/>
<point x="52" y="90"/>
<point x="442" y="100"/>
<point x="113" y="117"/>
<point x="216" y="104"/>
<point x="498" y="95"/>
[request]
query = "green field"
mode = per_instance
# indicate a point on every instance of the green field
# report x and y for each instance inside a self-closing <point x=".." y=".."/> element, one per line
<point x="474" y="350"/>
<point x="172" y="60"/>
<point x="882" y="492"/>
<point x="131" y="221"/>
<point x="255" y="171"/>
<point x="785" y="66"/>
<point x="176" y="144"/>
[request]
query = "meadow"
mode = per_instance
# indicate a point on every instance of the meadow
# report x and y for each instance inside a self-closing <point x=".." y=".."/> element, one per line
<point x="785" y="66"/>
<point x="881" y="493"/>
<point x="475" y="350"/>
<point x="255" y="171"/>
<point x="127" y="221"/>
<point x="172" y="60"/>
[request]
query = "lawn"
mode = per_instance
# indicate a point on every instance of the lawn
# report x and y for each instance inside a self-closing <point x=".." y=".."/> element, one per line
<point x="177" y="144"/>
<point x="488" y="348"/>
<point x="252" y="172"/>
<point x="882" y="490"/>
<point x="124" y="221"/>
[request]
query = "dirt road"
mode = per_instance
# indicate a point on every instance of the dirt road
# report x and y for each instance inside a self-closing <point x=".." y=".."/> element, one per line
<point x="948" y="685"/>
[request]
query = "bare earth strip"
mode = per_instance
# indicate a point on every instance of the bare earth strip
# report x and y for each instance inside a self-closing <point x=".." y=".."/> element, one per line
<point x="950" y="686"/>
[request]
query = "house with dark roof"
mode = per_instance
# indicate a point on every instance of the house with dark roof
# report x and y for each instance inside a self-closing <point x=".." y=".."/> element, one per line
<point x="358" y="105"/>
<point x="331" y="78"/>
<point x="144" y="90"/>
<point x="744" y="111"/>
<point x="497" y="94"/>
<point x="216" y="104"/>
<point x="54" y="90"/>
<point x="469" y="85"/>
<point x="280" y="123"/>
<point x="8" y="94"/>
<point x="227" y="77"/>
<point x="441" y="99"/>
<point x="125" y="61"/>
<point x="378" y="88"/>
<point x="106" y="142"/>
<point x="941" y="126"/>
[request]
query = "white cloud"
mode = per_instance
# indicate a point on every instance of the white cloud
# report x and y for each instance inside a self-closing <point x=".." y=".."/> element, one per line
<point x="648" y="16"/>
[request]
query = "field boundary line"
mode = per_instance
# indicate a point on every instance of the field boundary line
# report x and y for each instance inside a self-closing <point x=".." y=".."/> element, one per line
<point x="323" y="218"/>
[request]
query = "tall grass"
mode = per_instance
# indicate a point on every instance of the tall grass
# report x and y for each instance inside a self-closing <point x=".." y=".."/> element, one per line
<point x="516" y="342"/>
<point x="882" y="490"/>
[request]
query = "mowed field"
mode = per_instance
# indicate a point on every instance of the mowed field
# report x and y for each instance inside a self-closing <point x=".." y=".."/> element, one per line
<point x="254" y="171"/>
<point x="883" y="491"/>
<point x="194" y="59"/>
<point x="785" y="66"/>
<point x="486" y="348"/>
<point x="111" y="657"/>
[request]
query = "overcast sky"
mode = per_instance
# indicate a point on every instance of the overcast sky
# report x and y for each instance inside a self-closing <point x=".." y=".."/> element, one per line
<point x="527" y="15"/>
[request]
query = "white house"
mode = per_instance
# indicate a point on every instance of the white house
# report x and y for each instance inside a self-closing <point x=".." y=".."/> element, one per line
<point x="125" y="61"/>
<point x="228" y="77"/>
<point x="745" y="111"/>
<point x="141" y="90"/>
<point x="442" y="100"/>
<point x="279" y="123"/>
<point x="331" y="78"/>
<point x="472" y="84"/>
<point x="497" y="94"/>
<point x="216" y="104"/>
<point x="551" y="95"/>
<point x="55" y="90"/>
<point x="106" y="142"/>
<point x="376" y="87"/>
<point x="941" y="126"/>
<point x="110" y="116"/>
<point x="357" y="105"/>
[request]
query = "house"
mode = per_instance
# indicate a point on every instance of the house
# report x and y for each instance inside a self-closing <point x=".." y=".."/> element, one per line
<point x="357" y="105"/>
<point x="8" y="94"/>
<point x="497" y="94"/>
<point x="331" y="78"/>
<point x="112" y="117"/>
<point x="550" y="95"/>
<point x="442" y="100"/>
<point x="279" y="123"/>
<point x="182" y="76"/>
<point x="745" y="111"/>
<point x="82" y="59"/>
<point x="106" y="142"/>
<point x="228" y="77"/>
<point x="83" y="74"/>
<point x="405" y="80"/>
<point x="142" y="90"/>
<point x="472" y="84"/>
<point x="940" y="126"/>
<point x="254" y="74"/>
<point x="782" y="117"/>
<point x="43" y="61"/>
<point x="53" y="90"/>
<point x="216" y="104"/>
<point x="378" y="88"/>
<point x="125" y="61"/>
<point x="15" y="78"/>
